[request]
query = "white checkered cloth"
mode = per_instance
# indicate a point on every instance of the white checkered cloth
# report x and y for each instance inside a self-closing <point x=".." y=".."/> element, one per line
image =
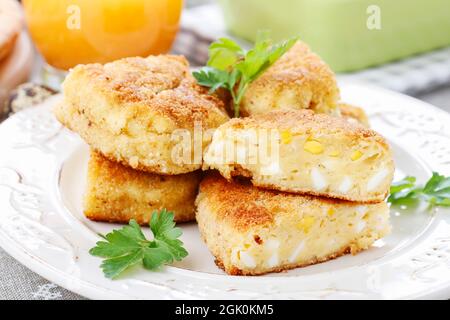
<point x="202" y="25"/>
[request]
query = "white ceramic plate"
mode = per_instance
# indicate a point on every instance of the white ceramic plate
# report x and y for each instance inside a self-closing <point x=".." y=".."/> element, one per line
<point x="42" y="177"/>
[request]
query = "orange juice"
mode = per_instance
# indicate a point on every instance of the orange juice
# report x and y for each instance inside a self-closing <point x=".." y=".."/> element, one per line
<point x="69" y="32"/>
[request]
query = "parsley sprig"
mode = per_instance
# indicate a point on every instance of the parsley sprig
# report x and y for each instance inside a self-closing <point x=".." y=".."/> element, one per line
<point x="128" y="246"/>
<point x="232" y="68"/>
<point x="436" y="192"/>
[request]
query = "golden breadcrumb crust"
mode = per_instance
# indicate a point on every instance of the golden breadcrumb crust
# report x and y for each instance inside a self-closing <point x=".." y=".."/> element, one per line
<point x="116" y="193"/>
<point x="144" y="87"/>
<point x="304" y="122"/>
<point x="300" y="79"/>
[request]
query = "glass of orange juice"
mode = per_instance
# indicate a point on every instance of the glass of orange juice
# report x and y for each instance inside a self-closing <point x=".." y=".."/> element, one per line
<point x="70" y="32"/>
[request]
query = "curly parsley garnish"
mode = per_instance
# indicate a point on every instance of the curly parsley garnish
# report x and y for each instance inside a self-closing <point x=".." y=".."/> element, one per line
<point x="436" y="192"/>
<point x="233" y="69"/>
<point x="128" y="246"/>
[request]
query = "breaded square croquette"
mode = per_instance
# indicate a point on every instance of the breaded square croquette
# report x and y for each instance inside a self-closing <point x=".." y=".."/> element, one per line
<point x="302" y="152"/>
<point x="353" y="114"/>
<point x="251" y="231"/>
<point x="129" y="109"/>
<point x="300" y="79"/>
<point x="116" y="193"/>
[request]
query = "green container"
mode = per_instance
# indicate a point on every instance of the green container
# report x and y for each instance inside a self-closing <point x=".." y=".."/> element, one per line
<point x="344" y="32"/>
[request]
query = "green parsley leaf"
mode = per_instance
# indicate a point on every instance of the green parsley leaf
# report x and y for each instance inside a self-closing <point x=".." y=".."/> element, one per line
<point x="155" y="256"/>
<point x="262" y="56"/>
<point x="113" y="267"/>
<point x="166" y="234"/>
<point x="233" y="69"/>
<point x="163" y="226"/>
<point x="224" y="53"/>
<point x="407" y="182"/>
<point x="120" y="242"/>
<point x="126" y="247"/>
<point x="436" y="192"/>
